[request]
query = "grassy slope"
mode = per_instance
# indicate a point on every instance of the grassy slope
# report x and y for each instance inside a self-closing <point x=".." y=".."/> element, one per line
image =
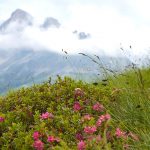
<point x="126" y="98"/>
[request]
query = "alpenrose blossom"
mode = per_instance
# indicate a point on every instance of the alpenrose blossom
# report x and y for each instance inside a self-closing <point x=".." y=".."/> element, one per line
<point x="81" y="145"/>
<point x="120" y="134"/>
<point x="86" y="118"/>
<point x="90" y="129"/>
<point x="102" y="118"/>
<point x="77" y="106"/>
<point x="52" y="139"/>
<point x="78" y="93"/>
<point x="2" y="119"/>
<point x="98" y="138"/>
<point x="79" y="136"/>
<point x="36" y="135"/>
<point x="46" y="115"/>
<point x="38" y="145"/>
<point x="98" y="107"/>
<point x="133" y="136"/>
<point x="107" y="116"/>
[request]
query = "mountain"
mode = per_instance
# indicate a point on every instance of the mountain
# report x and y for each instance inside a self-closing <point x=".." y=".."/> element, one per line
<point x="50" y="22"/>
<point x="18" y="20"/>
<point x="82" y="35"/>
<point x="25" y="67"/>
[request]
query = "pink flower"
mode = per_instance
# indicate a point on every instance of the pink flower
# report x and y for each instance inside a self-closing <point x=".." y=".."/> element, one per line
<point x="52" y="139"/>
<point x="108" y="135"/>
<point x="86" y="117"/>
<point x="81" y="145"/>
<point x="119" y="133"/>
<point x="79" y="136"/>
<point x="97" y="138"/>
<point x="36" y="135"/>
<point x="2" y="119"/>
<point x="46" y="115"/>
<point x="57" y="139"/>
<point x="107" y="116"/>
<point x="133" y="136"/>
<point x="78" y="93"/>
<point x="77" y="106"/>
<point x="90" y="130"/>
<point x="98" y="107"/>
<point x="38" y="145"/>
<point x="98" y="123"/>
<point x="102" y="118"/>
<point x="126" y="147"/>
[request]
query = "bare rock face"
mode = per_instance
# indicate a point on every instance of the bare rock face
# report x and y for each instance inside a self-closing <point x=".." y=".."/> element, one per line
<point x="51" y="22"/>
<point x="18" y="20"/>
<point x="82" y="35"/>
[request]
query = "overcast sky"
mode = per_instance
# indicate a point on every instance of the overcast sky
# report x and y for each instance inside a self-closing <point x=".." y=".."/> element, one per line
<point x="110" y="22"/>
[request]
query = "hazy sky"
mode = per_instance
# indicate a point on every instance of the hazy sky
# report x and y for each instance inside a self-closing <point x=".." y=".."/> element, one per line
<point x="110" y="22"/>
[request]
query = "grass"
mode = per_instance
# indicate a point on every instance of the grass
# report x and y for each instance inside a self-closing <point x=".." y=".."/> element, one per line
<point x="125" y="97"/>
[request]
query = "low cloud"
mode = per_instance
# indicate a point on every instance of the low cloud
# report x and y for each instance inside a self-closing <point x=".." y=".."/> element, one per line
<point x="105" y="25"/>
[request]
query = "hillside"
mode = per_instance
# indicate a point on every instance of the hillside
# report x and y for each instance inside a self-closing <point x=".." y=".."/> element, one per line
<point x="23" y="67"/>
<point x="70" y="114"/>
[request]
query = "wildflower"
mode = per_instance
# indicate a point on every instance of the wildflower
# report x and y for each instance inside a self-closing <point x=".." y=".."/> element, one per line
<point x="79" y="136"/>
<point x="126" y="147"/>
<point x="107" y="116"/>
<point x="36" y="135"/>
<point x="2" y="119"/>
<point x="46" y="115"/>
<point x="98" y="107"/>
<point x="52" y="139"/>
<point x="78" y="93"/>
<point x="57" y="140"/>
<point x="90" y="130"/>
<point x="108" y="135"/>
<point x="77" y="106"/>
<point x="81" y="145"/>
<point x="38" y="145"/>
<point x="86" y="117"/>
<point x="98" y="123"/>
<point x="133" y="136"/>
<point x="103" y="118"/>
<point x="97" y="138"/>
<point x="120" y="133"/>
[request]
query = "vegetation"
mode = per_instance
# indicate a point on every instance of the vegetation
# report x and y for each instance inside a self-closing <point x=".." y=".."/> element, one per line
<point x="69" y="114"/>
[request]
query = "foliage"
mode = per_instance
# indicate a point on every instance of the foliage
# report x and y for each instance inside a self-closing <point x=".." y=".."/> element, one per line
<point x="71" y="114"/>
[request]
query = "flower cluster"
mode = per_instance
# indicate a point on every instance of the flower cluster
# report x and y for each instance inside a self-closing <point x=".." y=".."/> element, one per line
<point x="77" y="106"/>
<point x="46" y="115"/>
<point x="52" y="139"/>
<point x="36" y="135"/>
<point x="81" y="145"/>
<point x="78" y="93"/>
<point x="38" y="145"/>
<point x="102" y="118"/>
<point x="98" y="107"/>
<point x="2" y="119"/>
<point x="119" y="133"/>
<point x="90" y="129"/>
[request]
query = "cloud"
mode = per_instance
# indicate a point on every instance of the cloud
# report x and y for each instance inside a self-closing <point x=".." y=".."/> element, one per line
<point x="109" y="23"/>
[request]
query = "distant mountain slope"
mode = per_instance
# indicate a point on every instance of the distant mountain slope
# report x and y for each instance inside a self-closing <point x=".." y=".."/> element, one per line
<point x="23" y="67"/>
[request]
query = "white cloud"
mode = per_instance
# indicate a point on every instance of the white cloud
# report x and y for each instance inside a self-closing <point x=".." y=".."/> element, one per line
<point x="109" y="22"/>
